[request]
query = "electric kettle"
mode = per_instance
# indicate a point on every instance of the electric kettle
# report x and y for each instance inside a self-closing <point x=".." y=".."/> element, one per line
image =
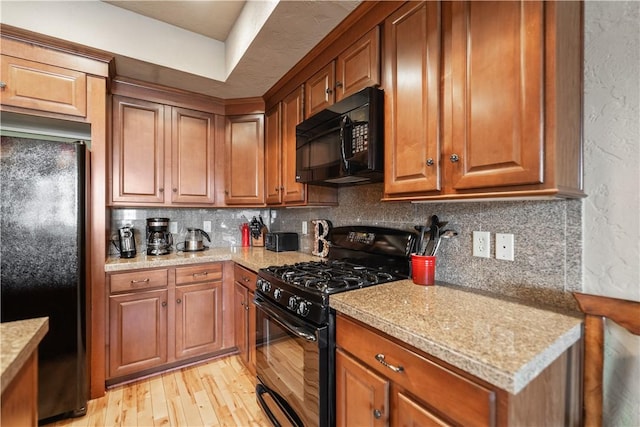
<point x="194" y="241"/>
<point x="126" y="242"/>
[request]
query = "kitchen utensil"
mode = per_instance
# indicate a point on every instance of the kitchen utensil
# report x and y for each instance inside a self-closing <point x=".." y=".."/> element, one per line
<point x="126" y="242"/>
<point x="194" y="240"/>
<point x="159" y="240"/>
<point x="446" y="234"/>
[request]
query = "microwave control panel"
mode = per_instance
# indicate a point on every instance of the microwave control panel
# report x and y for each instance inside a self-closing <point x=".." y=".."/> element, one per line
<point x="360" y="138"/>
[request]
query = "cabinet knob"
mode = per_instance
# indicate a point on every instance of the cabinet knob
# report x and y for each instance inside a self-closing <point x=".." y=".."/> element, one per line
<point x="226" y="192"/>
<point x="178" y="300"/>
<point x="246" y="307"/>
<point x="277" y="189"/>
<point x="338" y="84"/>
<point x="429" y="162"/>
<point x="161" y="190"/>
<point x="3" y="85"/>
<point x="328" y="91"/>
<point x="241" y="302"/>
<point x="164" y="303"/>
<point x="281" y="188"/>
<point x="454" y="158"/>
<point x="377" y="414"/>
<point x="175" y="190"/>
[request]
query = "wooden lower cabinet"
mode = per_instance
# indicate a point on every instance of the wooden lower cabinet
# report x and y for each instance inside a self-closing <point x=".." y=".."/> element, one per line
<point x="137" y="331"/>
<point x="380" y="382"/>
<point x="245" y="315"/>
<point x="160" y="317"/>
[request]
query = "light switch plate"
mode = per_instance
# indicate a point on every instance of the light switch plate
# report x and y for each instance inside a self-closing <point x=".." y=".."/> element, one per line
<point x="504" y="246"/>
<point x="206" y="226"/>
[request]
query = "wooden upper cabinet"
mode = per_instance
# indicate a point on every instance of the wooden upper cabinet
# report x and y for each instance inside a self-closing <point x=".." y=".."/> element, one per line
<point x="502" y="118"/>
<point x="161" y="154"/>
<point x="319" y="90"/>
<point x="245" y="159"/>
<point x="496" y="94"/>
<point x="43" y="87"/>
<point x="358" y="67"/>
<point x="354" y="69"/>
<point x="192" y="156"/>
<point x="291" y="115"/>
<point x="138" y="151"/>
<point x="272" y="155"/>
<point x="412" y="99"/>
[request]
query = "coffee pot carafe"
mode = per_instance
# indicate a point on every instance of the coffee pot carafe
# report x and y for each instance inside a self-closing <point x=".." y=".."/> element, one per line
<point x="126" y="242"/>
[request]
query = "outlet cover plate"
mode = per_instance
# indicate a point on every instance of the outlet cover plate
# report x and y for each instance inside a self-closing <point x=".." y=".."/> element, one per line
<point x="504" y="246"/>
<point x="481" y="244"/>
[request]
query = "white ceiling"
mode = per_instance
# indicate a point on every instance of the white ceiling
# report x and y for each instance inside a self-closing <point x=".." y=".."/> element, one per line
<point x="226" y="49"/>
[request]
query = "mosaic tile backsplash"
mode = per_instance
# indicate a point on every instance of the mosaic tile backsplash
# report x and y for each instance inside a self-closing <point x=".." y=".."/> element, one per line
<point x="548" y="236"/>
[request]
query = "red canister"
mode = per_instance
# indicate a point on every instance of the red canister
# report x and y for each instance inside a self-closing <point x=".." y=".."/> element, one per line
<point x="244" y="228"/>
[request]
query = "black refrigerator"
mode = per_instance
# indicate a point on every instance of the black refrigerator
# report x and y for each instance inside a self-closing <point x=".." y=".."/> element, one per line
<point x="42" y="272"/>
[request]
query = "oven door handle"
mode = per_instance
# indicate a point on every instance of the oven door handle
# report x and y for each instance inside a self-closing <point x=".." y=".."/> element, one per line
<point x="282" y="404"/>
<point x="291" y="327"/>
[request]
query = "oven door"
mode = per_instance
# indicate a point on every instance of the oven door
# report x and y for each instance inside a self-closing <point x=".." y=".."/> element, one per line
<point x="292" y="365"/>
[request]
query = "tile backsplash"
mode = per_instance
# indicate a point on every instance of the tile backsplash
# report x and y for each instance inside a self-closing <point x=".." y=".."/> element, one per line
<point x="548" y="236"/>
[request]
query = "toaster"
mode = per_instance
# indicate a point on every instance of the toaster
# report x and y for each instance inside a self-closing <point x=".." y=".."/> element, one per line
<point x="281" y="241"/>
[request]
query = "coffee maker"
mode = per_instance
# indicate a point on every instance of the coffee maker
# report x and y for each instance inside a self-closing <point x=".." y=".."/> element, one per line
<point x="159" y="240"/>
<point x="126" y="242"/>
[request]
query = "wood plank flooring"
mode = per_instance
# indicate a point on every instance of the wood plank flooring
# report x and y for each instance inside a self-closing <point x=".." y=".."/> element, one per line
<point x="217" y="393"/>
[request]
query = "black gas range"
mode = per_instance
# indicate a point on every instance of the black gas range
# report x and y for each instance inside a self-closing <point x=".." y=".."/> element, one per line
<point x="295" y="330"/>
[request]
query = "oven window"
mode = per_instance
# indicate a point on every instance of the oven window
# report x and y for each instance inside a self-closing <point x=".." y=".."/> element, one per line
<point x="289" y="365"/>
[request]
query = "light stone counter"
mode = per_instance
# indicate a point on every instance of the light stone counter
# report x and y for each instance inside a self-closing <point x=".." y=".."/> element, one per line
<point x="253" y="258"/>
<point x="503" y="342"/>
<point x="18" y="341"/>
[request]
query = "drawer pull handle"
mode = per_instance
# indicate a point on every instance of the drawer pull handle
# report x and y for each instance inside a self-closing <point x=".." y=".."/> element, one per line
<point x="380" y="358"/>
<point x="201" y="274"/>
<point x="135" y="282"/>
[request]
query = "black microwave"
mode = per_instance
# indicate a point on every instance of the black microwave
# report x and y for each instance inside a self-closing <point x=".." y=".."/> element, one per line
<point x="343" y="144"/>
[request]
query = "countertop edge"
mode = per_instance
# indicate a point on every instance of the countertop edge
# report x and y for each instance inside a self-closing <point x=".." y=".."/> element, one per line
<point x="37" y="328"/>
<point x="512" y="382"/>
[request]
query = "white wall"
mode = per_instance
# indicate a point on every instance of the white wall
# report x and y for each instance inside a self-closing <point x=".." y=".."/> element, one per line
<point x="611" y="216"/>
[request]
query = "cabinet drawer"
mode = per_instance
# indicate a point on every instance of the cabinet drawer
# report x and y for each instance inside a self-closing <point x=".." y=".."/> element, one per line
<point x="43" y="87"/>
<point x="198" y="273"/>
<point x="460" y="399"/>
<point x="245" y="277"/>
<point x="126" y="282"/>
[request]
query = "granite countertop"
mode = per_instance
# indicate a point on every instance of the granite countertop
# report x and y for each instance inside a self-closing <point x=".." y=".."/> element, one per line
<point x="18" y="341"/>
<point x="503" y="342"/>
<point x="253" y="258"/>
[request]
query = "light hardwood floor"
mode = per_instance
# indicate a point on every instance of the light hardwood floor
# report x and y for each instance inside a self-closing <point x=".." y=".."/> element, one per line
<point x="217" y="393"/>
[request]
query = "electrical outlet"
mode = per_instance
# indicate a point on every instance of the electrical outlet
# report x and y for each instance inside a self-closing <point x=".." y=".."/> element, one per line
<point x="481" y="244"/>
<point x="304" y="227"/>
<point x="206" y="226"/>
<point x="504" y="246"/>
<point x="173" y="227"/>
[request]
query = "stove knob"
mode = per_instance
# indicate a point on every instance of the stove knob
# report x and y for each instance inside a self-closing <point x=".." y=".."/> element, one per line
<point x="303" y="308"/>
<point x="293" y="303"/>
<point x="264" y="285"/>
<point x="277" y="294"/>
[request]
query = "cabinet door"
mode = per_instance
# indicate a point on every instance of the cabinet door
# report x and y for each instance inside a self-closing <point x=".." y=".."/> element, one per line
<point x="192" y="156"/>
<point x="362" y="396"/>
<point x="43" y="87"/>
<point x="273" y="155"/>
<point x="138" y="151"/>
<point x="291" y="116"/>
<point x="412" y="106"/>
<point x="358" y="67"/>
<point x="241" y="320"/>
<point x="495" y="93"/>
<point x="198" y="319"/>
<point x="245" y="160"/>
<point x="319" y="90"/>
<point x="409" y="413"/>
<point x="137" y="331"/>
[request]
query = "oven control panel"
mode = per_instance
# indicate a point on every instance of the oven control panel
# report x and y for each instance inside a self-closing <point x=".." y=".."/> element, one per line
<point x="290" y="299"/>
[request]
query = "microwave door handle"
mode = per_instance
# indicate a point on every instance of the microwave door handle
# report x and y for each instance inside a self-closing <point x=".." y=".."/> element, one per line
<point x="343" y="148"/>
